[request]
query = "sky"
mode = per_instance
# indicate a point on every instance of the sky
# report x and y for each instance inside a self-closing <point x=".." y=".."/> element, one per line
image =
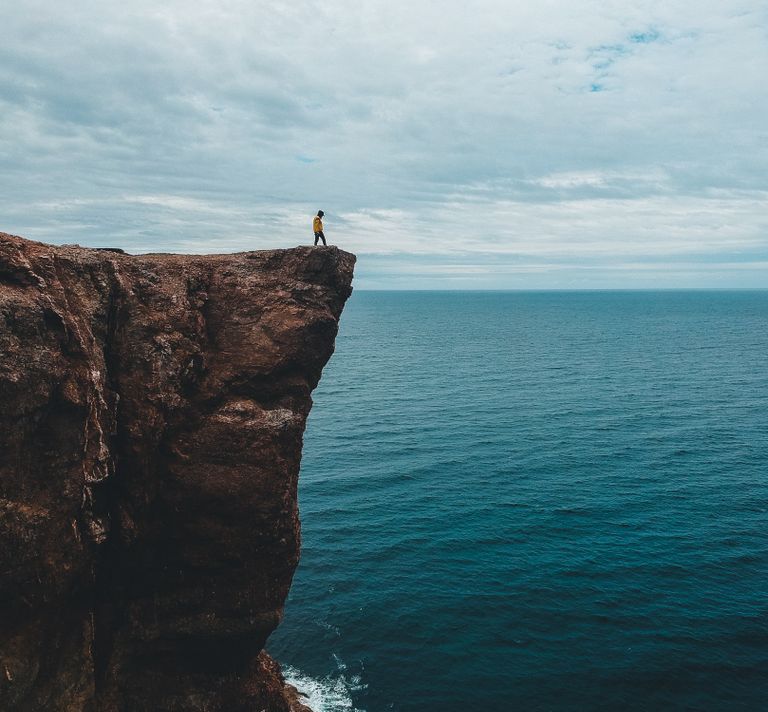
<point x="557" y="144"/>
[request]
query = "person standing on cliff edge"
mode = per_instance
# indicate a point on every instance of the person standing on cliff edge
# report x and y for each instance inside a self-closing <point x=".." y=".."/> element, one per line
<point x="317" y="226"/>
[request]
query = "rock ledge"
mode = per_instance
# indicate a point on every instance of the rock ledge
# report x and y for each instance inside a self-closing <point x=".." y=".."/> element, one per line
<point x="151" y="427"/>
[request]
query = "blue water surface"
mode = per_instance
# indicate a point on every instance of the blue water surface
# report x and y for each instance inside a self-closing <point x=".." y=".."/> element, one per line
<point x="537" y="501"/>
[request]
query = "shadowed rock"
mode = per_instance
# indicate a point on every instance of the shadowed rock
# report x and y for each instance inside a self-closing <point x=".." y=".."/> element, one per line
<point x="151" y="427"/>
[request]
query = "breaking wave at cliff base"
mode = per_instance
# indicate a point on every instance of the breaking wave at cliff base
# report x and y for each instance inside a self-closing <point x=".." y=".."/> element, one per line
<point x="328" y="694"/>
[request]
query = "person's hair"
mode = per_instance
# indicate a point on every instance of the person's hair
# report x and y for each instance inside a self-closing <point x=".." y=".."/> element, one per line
<point x="320" y="213"/>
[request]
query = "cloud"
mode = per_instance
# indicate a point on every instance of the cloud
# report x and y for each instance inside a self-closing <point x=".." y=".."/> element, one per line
<point x="561" y="131"/>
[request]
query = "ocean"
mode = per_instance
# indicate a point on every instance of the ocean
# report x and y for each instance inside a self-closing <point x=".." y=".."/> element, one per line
<point x="536" y="501"/>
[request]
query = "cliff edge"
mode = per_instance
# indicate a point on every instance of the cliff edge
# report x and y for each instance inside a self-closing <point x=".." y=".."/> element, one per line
<point x="153" y="409"/>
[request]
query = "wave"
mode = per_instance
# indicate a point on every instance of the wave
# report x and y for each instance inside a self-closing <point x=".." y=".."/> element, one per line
<point x="332" y="693"/>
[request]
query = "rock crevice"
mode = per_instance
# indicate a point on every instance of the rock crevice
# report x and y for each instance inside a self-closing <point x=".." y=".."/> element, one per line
<point x="152" y="415"/>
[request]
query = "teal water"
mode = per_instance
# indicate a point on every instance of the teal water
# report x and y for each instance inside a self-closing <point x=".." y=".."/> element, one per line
<point x="536" y="501"/>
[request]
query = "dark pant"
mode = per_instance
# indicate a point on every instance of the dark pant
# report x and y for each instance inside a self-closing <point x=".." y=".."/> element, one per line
<point x="320" y="236"/>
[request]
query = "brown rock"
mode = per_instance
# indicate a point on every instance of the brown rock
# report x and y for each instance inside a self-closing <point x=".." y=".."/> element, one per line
<point x="151" y="426"/>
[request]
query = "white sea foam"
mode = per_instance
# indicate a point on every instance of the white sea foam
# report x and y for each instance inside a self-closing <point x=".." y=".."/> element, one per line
<point x="340" y="664"/>
<point x="328" y="694"/>
<point x="330" y="628"/>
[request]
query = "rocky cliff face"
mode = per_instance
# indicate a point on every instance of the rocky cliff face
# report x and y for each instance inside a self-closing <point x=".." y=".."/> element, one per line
<point x="151" y="421"/>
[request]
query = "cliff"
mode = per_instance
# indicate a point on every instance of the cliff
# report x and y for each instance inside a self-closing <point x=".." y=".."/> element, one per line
<point x="151" y="427"/>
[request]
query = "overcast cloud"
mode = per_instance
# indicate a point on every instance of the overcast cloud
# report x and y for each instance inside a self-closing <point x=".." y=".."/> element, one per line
<point x="555" y="144"/>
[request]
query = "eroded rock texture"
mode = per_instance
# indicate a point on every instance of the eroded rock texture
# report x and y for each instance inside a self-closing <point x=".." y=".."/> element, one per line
<point x="151" y="418"/>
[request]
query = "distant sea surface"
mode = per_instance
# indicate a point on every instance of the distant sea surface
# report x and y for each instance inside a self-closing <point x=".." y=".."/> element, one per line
<point x="536" y="501"/>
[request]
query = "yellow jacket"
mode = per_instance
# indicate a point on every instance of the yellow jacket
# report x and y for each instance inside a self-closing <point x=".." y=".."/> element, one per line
<point x="317" y="224"/>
